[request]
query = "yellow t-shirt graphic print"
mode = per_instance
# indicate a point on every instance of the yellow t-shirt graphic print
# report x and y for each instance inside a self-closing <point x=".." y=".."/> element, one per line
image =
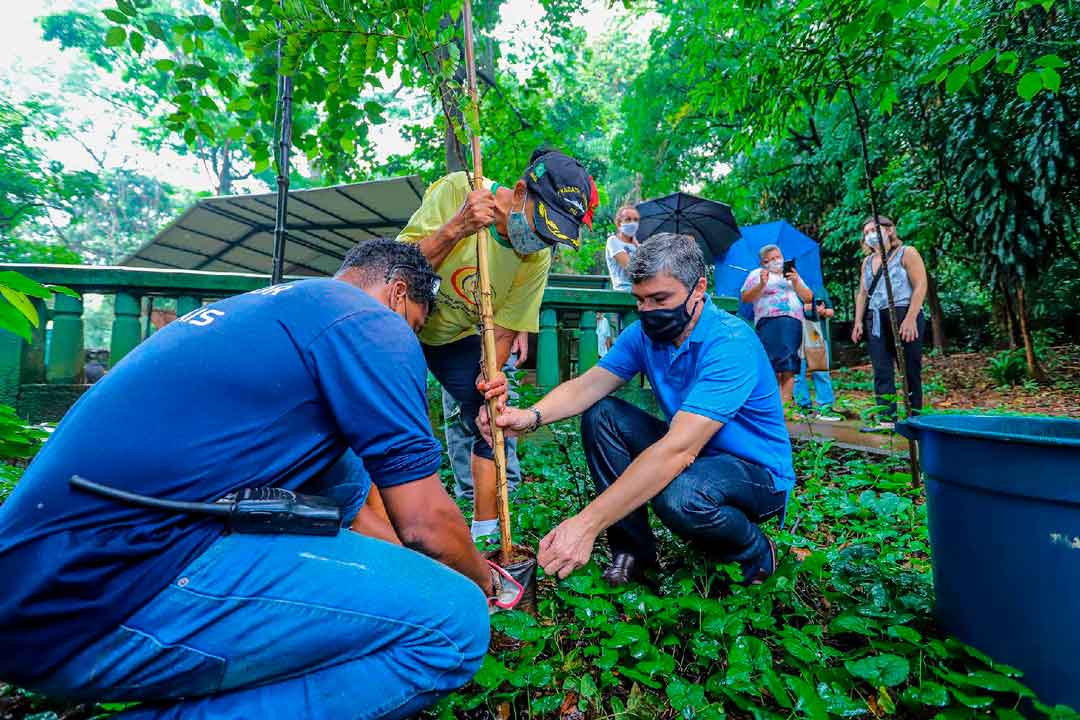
<point x="517" y="281"/>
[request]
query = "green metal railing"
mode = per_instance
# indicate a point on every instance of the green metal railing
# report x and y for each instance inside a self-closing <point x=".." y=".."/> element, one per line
<point x="128" y="286"/>
<point x="567" y="342"/>
<point x="568" y="319"/>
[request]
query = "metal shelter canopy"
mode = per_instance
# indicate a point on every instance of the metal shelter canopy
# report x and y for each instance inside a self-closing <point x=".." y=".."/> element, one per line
<point x="236" y="233"/>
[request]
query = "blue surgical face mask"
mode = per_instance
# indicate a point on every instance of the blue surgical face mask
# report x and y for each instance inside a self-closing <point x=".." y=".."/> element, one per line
<point x="629" y="229"/>
<point x="871" y="239"/>
<point x="522" y="237"/>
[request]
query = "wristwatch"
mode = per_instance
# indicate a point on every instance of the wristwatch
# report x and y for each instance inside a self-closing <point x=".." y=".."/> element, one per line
<point x="537" y="421"/>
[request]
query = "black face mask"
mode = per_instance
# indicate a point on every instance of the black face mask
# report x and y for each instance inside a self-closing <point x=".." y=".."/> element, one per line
<point x="665" y="324"/>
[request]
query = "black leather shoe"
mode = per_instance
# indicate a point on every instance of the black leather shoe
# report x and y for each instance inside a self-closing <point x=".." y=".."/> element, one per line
<point x="623" y="569"/>
<point x="762" y="575"/>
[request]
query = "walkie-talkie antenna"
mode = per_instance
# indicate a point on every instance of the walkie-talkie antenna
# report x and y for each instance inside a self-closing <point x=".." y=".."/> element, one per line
<point x="200" y="508"/>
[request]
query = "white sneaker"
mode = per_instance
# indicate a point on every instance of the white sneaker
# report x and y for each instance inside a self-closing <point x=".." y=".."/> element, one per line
<point x="828" y="417"/>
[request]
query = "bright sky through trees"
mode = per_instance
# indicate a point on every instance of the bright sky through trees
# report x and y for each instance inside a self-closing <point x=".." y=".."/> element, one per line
<point x="34" y="66"/>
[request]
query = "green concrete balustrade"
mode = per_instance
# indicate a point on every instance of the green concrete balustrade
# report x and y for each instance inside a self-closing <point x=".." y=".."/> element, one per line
<point x="45" y="389"/>
<point x="66" y="345"/>
<point x="567" y="342"/>
<point x="126" y="332"/>
<point x="568" y="321"/>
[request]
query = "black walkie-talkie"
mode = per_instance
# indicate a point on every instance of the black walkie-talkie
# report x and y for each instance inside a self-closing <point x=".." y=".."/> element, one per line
<point x="273" y="511"/>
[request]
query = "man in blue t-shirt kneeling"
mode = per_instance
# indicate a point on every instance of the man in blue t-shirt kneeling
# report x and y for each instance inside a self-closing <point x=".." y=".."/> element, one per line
<point x="714" y="470"/>
<point x="316" y="386"/>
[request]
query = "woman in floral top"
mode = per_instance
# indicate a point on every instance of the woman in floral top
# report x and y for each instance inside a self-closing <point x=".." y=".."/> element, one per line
<point x="778" y="313"/>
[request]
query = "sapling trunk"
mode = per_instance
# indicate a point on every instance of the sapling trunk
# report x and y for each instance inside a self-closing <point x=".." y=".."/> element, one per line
<point x="284" y="141"/>
<point x="487" y="316"/>
<point x="1034" y="369"/>
<point x="913" y="453"/>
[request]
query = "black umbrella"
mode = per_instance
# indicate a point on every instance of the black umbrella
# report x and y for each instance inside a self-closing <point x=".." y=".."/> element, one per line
<point x="710" y="222"/>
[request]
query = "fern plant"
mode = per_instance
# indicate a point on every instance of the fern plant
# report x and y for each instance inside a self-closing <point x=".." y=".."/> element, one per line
<point x="1008" y="367"/>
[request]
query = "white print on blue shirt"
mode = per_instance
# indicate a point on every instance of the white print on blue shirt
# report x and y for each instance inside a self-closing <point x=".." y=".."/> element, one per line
<point x="272" y="290"/>
<point x="201" y="317"/>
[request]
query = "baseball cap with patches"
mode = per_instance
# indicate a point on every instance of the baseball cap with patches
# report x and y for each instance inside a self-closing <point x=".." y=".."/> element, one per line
<point x="565" y="196"/>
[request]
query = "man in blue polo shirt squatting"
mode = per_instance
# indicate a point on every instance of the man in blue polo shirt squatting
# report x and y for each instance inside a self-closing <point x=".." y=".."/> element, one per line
<point x="316" y="386"/>
<point x="714" y="470"/>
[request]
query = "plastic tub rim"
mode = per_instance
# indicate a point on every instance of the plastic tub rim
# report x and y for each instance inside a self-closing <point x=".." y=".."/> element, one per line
<point x="919" y="423"/>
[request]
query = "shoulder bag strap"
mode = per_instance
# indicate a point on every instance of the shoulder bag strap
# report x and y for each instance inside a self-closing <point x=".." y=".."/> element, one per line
<point x="875" y="281"/>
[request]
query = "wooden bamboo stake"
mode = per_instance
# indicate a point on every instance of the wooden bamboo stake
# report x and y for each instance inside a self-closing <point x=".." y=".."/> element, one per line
<point x="284" y="140"/>
<point x="487" y="316"/>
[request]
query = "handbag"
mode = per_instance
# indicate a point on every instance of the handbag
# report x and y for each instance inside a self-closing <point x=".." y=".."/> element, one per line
<point x="813" y="347"/>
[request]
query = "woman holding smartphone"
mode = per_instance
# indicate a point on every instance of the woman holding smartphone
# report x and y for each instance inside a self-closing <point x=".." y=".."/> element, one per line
<point x="778" y="293"/>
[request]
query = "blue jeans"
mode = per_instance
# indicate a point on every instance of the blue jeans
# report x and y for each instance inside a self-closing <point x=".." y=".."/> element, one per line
<point x="347" y="481"/>
<point x="290" y="626"/>
<point x="823" y="390"/>
<point x="716" y="503"/>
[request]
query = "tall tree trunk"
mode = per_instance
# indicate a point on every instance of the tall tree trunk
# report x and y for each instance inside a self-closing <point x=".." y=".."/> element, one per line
<point x="1034" y="369"/>
<point x="1010" y="325"/>
<point x="225" y="174"/>
<point x="1010" y="316"/>
<point x="937" y="315"/>
<point x="454" y="151"/>
<point x="854" y="268"/>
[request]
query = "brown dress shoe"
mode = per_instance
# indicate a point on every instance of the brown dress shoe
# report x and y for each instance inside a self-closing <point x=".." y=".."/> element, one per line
<point x="623" y="569"/>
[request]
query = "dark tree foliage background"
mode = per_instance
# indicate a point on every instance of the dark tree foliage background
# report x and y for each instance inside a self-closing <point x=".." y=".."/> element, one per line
<point x="971" y="111"/>
<point x="973" y="121"/>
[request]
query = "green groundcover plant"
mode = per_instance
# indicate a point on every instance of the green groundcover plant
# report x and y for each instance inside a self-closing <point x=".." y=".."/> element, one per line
<point x="844" y="629"/>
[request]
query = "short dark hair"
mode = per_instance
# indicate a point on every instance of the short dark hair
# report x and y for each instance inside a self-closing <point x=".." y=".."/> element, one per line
<point x="380" y="260"/>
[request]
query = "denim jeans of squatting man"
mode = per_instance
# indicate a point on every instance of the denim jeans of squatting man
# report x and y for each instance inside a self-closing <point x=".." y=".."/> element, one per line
<point x="287" y="626"/>
<point x="716" y="503"/>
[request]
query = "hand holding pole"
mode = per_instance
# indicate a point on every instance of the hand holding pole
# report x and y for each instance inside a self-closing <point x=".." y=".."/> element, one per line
<point x="487" y="315"/>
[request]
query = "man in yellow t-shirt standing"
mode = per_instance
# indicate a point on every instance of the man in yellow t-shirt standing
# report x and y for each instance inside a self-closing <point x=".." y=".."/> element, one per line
<point x="526" y="221"/>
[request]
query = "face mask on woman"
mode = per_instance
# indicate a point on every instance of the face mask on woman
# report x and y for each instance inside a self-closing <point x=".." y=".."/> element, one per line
<point x="775" y="266"/>
<point x="629" y="229"/>
<point x="871" y="239"/>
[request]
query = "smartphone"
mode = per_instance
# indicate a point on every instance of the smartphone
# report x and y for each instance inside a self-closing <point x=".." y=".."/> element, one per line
<point x="789" y="265"/>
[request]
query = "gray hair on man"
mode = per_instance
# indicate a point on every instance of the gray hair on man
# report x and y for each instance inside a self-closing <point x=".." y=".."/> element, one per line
<point x="766" y="249"/>
<point x="676" y="255"/>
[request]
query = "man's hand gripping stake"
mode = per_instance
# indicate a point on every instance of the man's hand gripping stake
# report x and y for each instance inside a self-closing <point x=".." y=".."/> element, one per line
<point x="487" y="315"/>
